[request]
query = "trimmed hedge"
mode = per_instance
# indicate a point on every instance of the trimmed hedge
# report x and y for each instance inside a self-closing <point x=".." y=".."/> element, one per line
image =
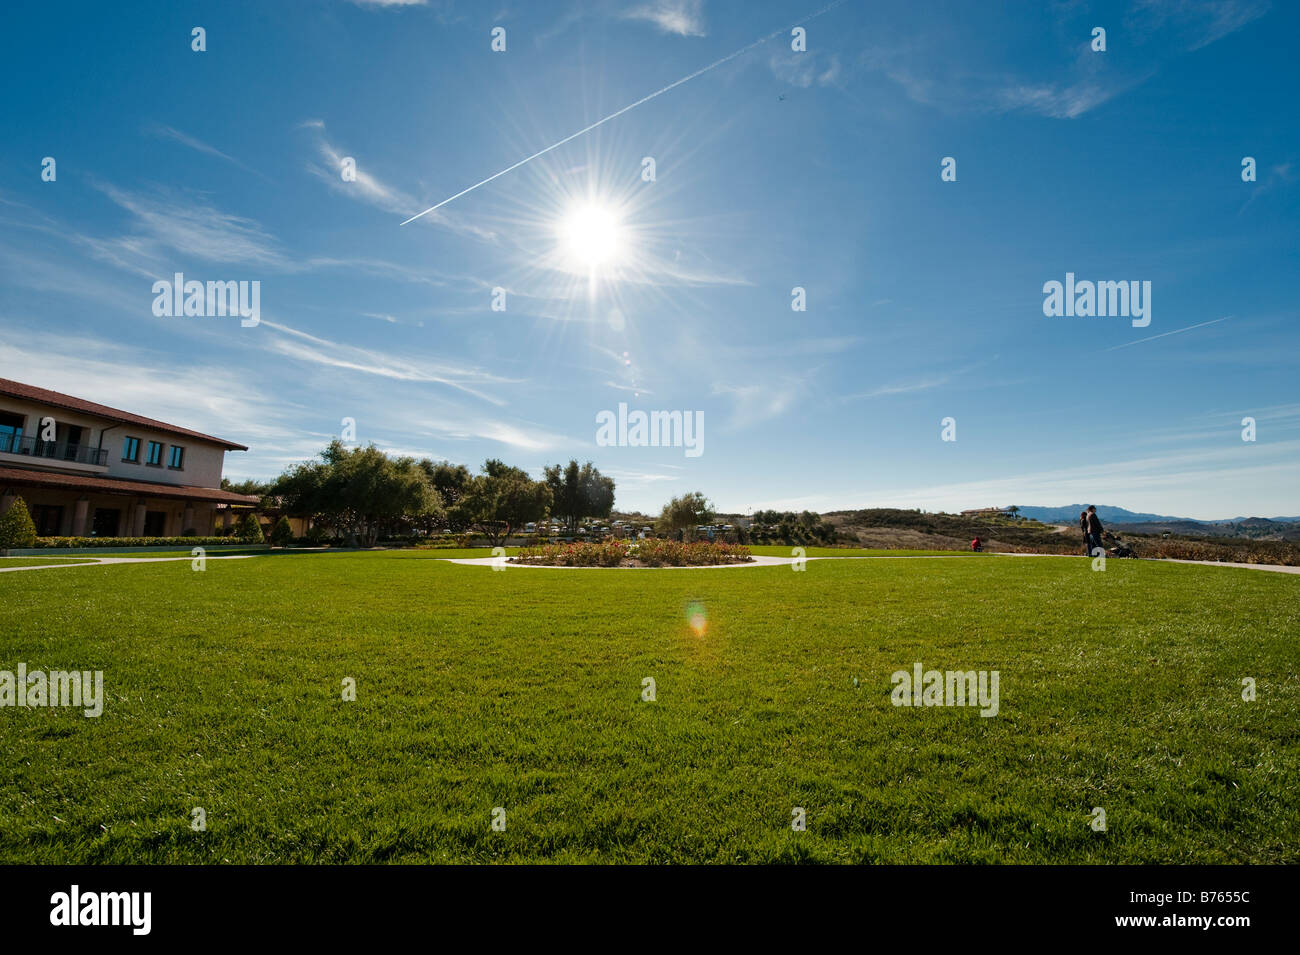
<point x="185" y="542"/>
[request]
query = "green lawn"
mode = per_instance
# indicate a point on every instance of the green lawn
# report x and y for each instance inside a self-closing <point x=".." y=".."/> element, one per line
<point x="521" y="689"/>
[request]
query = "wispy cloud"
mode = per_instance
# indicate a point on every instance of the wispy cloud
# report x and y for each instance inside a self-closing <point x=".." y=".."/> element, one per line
<point x="924" y="383"/>
<point x="630" y="388"/>
<point x="802" y="347"/>
<point x="305" y="347"/>
<point x="803" y="70"/>
<point x="754" y="404"/>
<point x="1194" y="24"/>
<point x="901" y="388"/>
<point x="167" y="221"/>
<point x="163" y="225"/>
<point x="170" y="224"/>
<point x="680" y="17"/>
<point x="228" y="403"/>
<point x="523" y="436"/>
<point x="370" y="189"/>
<point x="1159" y="30"/>
<point x="633" y="480"/>
<point x="1060" y="100"/>
<point x="1173" y="483"/>
<point x="1279" y="176"/>
<point x="162" y="131"/>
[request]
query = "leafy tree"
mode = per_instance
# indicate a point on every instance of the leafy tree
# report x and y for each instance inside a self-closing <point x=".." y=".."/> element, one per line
<point x="787" y="527"/>
<point x="245" y="487"/>
<point x="579" y="493"/>
<point x="451" y="482"/>
<point x="500" y="498"/>
<point x="684" y="514"/>
<point x="16" y="527"/>
<point x="360" y="492"/>
<point x="282" y="532"/>
<point x="250" y="529"/>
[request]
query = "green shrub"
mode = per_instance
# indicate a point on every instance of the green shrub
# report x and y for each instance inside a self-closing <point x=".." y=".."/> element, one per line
<point x="55" y="543"/>
<point x="16" y="527"/>
<point x="446" y="542"/>
<point x="250" y="529"/>
<point x="282" y="533"/>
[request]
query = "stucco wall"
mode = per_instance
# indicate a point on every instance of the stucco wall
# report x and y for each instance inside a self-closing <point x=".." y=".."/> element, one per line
<point x="201" y="467"/>
<point x="130" y="518"/>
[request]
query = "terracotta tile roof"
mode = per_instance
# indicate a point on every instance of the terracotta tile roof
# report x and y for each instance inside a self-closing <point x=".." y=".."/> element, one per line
<point x="16" y="389"/>
<point x="77" y="482"/>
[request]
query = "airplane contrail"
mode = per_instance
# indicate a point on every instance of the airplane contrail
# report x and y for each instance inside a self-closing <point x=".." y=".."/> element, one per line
<point x="1163" y="334"/>
<point x="645" y="99"/>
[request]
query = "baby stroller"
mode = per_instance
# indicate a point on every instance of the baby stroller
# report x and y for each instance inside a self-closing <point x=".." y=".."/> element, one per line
<point x="1116" y="547"/>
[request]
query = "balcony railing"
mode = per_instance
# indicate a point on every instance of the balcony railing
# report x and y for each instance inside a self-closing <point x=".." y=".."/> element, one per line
<point x="54" y="450"/>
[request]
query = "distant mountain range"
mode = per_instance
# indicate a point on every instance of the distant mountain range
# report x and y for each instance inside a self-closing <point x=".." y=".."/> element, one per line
<point x="1119" y="515"/>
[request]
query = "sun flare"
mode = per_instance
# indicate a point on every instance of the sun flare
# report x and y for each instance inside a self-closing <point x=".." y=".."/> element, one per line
<point x="592" y="236"/>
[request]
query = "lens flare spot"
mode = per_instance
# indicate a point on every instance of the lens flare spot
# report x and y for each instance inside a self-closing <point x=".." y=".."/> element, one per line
<point x="697" y="618"/>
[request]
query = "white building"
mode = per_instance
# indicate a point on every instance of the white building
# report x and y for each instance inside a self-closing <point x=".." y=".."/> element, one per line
<point x="85" y="469"/>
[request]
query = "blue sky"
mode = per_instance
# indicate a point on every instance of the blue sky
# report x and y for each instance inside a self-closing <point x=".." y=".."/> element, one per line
<point x="776" y="169"/>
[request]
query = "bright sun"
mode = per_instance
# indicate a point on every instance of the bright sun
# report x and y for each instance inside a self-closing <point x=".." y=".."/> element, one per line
<point x="592" y="236"/>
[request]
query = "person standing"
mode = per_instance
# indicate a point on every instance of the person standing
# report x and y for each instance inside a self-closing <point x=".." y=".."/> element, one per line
<point x="1083" y="529"/>
<point x="1094" y="529"/>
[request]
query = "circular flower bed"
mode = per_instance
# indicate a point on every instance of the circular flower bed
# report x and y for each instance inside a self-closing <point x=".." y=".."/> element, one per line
<point x="644" y="553"/>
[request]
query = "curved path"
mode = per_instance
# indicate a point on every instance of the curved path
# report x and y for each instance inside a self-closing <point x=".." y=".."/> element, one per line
<point x="758" y="561"/>
<point x="100" y="561"/>
<point x="761" y="561"/>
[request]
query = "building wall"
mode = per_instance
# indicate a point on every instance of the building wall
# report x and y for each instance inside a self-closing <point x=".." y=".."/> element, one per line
<point x="201" y="467"/>
<point x="131" y="517"/>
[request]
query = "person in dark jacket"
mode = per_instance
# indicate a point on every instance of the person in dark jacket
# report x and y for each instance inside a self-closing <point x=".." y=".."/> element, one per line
<point x="1094" y="529"/>
<point x="1083" y="529"/>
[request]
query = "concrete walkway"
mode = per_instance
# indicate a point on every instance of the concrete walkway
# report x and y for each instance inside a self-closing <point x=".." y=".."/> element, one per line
<point x="760" y="561"/>
<point x="100" y="561"/>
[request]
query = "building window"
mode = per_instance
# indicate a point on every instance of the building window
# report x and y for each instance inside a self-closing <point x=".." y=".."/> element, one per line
<point x="154" y="456"/>
<point x="131" y="450"/>
<point x="175" y="457"/>
<point x="11" y="432"/>
<point x="71" y="442"/>
<point x="105" y="522"/>
<point x="49" y="519"/>
<point x="155" y="522"/>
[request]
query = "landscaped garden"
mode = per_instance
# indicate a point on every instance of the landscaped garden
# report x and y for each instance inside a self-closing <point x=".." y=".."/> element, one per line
<point x="654" y="552"/>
